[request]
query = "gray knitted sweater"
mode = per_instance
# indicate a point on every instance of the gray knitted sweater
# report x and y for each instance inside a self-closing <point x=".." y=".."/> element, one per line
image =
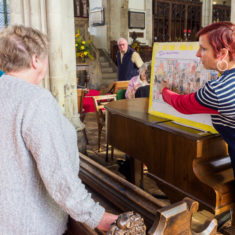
<point x="39" y="164"/>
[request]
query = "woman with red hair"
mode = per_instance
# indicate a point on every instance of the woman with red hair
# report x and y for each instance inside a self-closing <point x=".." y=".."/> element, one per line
<point x="217" y="97"/>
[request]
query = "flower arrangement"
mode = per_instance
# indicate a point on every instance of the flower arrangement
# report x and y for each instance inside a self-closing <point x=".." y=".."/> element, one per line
<point x="82" y="47"/>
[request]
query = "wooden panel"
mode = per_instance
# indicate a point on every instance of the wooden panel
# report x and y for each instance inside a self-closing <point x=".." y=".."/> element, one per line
<point x="117" y="196"/>
<point x="166" y="148"/>
<point x="119" y="192"/>
<point x="221" y="13"/>
<point x="176" y="20"/>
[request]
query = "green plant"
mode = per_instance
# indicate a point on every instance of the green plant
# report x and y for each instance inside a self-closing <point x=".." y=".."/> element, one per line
<point x="82" y="47"/>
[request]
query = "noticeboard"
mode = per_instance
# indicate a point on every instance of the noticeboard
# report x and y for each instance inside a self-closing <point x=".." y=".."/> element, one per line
<point x="136" y="20"/>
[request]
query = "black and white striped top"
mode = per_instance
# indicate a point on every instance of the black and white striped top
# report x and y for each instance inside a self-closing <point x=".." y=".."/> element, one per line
<point x="219" y="95"/>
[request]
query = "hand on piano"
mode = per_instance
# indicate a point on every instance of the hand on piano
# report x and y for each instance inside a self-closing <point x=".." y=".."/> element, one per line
<point x="106" y="221"/>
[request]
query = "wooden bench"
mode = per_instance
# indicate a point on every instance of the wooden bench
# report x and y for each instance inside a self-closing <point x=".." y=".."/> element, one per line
<point x="217" y="173"/>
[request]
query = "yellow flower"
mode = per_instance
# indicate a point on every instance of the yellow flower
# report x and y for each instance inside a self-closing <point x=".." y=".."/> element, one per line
<point x="82" y="55"/>
<point x="77" y="35"/>
<point x="82" y="47"/>
<point x="83" y="42"/>
<point x="76" y="44"/>
<point x="85" y="52"/>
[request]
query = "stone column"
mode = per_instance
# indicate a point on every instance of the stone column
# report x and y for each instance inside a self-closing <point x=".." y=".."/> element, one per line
<point x="69" y="64"/>
<point x="233" y="11"/>
<point x="124" y="31"/>
<point x="207" y="6"/>
<point x="148" y="20"/>
<point x="56" y="19"/>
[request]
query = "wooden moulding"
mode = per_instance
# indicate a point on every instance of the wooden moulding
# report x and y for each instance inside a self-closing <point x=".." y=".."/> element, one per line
<point x="117" y="190"/>
<point x="158" y="217"/>
<point x="217" y="173"/>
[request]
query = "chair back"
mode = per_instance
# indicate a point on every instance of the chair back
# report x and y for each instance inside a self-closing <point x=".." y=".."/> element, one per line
<point x="100" y="101"/>
<point x="120" y="85"/>
<point x="80" y="94"/>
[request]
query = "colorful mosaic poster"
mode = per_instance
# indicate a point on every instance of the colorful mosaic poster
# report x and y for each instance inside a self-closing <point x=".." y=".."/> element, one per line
<point x="177" y="64"/>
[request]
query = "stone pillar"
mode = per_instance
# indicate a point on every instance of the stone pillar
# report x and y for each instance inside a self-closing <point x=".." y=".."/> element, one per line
<point x="124" y="19"/>
<point x="207" y="6"/>
<point x="56" y="19"/>
<point x="233" y="11"/>
<point x="115" y="22"/>
<point x="148" y="22"/>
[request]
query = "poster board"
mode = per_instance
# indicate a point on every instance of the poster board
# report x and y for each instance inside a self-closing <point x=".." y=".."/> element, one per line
<point x="176" y="63"/>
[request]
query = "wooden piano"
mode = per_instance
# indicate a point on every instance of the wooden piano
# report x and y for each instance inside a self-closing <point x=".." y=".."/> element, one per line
<point x="172" y="153"/>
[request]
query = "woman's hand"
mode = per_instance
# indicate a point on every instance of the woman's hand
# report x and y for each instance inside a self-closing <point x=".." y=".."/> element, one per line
<point x="137" y="86"/>
<point x="106" y="221"/>
<point x="162" y="85"/>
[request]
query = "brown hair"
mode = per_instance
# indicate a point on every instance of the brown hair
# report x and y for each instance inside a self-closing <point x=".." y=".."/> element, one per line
<point x="220" y="35"/>
<point x="17" y="46"/>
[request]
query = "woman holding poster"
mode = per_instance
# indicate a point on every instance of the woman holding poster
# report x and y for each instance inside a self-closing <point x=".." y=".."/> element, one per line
<point x="217" y="97"/>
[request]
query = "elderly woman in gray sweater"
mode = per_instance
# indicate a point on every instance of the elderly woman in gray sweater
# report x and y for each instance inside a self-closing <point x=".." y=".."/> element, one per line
<point x="39" y="155"/>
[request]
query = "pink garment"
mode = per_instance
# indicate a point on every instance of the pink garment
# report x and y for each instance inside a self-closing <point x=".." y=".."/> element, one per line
<point x="133" y="85"/>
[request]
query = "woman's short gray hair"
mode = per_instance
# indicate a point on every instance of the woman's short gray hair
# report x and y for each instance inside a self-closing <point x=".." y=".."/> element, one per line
<point x="144" y="67"/>
<point x="17" y="46"/>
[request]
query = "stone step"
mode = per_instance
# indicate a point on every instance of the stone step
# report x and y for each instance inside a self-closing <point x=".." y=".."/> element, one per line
<point x="104" y="64"/>
<point x="109" y="76"/>
<point x="102" y="59"/>
<point x="107" y="69"/>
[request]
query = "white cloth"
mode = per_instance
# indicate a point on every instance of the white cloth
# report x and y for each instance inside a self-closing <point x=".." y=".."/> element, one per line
<point x="39" y="164"/>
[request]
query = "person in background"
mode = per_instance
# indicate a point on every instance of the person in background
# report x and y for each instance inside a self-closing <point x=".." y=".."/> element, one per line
<point x="40" y="186"/>
<point x="1" y="73"/>
<point x="217" y="97"/>
<point x="128" y="61"/>
<point x="137" y="81"/>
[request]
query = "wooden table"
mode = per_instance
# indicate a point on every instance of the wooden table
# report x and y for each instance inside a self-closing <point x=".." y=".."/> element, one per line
<point x="167" y="148"/>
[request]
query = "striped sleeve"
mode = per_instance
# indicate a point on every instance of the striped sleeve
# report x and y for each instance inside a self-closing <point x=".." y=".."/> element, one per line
<point x="186" y="104"/>
<point x="207" y="97"/>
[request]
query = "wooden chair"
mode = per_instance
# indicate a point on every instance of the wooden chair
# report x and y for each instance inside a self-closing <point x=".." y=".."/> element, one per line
<point x="114" y="87"/>
<point x="120" y="85"/>
<point x="81" y="94"/>
<point x="100" y="101"/>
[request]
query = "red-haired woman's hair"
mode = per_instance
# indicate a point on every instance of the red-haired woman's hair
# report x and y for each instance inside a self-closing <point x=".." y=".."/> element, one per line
<point x="220" y="35"/>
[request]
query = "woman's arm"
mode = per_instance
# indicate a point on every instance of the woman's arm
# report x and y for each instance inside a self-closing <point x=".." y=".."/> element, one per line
<point x="130" y="92"/>
<point x="186" y="104"/>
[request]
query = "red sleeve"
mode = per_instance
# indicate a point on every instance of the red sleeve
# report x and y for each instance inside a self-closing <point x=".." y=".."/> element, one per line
<point x="186" y="104"/>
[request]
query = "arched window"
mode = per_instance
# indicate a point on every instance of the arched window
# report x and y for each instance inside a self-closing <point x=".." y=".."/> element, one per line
<point x="4" y="13"/>
<point x="81" y="8"/>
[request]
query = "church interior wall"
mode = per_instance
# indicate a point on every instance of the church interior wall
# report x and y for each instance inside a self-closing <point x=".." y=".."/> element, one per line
<point x="116" y="21"/>
<point x="98" y="33"/>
